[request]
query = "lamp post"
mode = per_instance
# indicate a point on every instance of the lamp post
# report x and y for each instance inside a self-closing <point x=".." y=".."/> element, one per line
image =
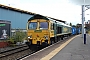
<point x="83" y="3"/>
<point x="83" y="19"/>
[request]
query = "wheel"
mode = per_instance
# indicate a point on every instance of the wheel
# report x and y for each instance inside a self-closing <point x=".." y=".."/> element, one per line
<point x="51" y="42"/>
<point x="61" y="38"/>
<point x="58" y="39"/>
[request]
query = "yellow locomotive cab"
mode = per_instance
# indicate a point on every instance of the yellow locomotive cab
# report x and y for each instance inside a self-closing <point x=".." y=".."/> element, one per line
<point x="38" y="31"/>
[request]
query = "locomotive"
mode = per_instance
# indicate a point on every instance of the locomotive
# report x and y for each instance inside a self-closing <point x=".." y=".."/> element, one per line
<point x="43" y="30"/>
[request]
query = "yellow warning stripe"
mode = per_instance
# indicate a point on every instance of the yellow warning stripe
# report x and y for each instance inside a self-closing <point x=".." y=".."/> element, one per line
<point x="53" y="53"/>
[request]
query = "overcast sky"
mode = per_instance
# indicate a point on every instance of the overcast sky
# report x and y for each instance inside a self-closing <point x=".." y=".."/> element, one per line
<point x="67" y="10"/>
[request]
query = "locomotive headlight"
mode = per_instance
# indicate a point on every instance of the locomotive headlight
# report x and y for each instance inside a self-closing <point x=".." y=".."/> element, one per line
<point x="46" y="37"/>
<point x="29" y="37"/>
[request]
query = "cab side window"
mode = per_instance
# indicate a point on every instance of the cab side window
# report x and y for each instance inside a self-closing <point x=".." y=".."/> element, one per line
<point x="52" y="26"/>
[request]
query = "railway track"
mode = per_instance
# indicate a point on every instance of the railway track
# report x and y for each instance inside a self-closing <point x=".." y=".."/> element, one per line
<point x="19" y="53"/>
<point x="13" y="51"/>
<point x="37" y="51"/>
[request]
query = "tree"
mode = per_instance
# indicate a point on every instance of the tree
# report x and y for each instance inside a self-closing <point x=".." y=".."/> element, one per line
<point x="73" y="25"/>
<point x="70" y="24"/>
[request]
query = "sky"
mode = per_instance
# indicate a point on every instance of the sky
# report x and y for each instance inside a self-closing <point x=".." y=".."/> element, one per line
<point x="67" y="10"/>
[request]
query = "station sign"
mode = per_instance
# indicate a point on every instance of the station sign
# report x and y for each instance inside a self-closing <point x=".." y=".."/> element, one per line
<point x="5" y="29"/>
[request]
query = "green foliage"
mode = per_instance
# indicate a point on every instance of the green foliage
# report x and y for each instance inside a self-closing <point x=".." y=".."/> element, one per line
<point x="12" y="40"/>
<point x="19" y="35"/>
<point x="73" y="26"/>
<point x="70" y="24"/>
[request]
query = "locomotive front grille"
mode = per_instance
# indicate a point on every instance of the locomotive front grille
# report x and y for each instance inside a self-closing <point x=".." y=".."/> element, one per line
<point x="38" y="36"/>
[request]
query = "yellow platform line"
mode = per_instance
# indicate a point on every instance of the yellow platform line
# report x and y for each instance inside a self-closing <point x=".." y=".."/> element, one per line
<point x="54" y="52"/>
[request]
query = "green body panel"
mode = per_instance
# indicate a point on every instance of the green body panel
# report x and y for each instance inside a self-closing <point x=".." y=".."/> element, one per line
<point x="38" y="31"/>
<point x="55" y="30"/>
<point x="65" y="29"/>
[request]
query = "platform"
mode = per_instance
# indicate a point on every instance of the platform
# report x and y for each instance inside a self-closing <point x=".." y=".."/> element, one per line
<point x="74" y="49"/>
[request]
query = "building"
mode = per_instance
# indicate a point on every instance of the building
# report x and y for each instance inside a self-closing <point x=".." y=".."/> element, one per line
<point x="88" y="21"/>
<point x="17" y="17"/>
<point x="87" y="25"/>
